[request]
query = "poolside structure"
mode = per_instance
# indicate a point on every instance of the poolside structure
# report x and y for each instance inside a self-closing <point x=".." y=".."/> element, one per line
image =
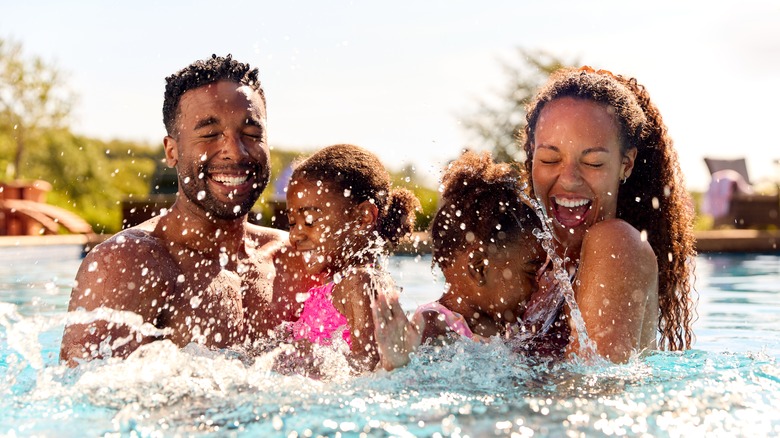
<point x="24" y="212"/>
<point x="732" y="200"/>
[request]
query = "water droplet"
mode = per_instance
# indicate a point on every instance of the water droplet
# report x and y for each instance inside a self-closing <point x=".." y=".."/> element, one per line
<point x="51" y="288"/>
<point x="462" y="226"/>
<point x="121" y="239"/>
<point x="236" y="209"/>
<point x="180" y="278"/>
<point x="201" y="195"/>
<point x="186" y="180"/>
<point x="92" y="267"/>
<point x="347" y="193"/>
<point x="223" y="259"/>
<point x="195" y="302"/>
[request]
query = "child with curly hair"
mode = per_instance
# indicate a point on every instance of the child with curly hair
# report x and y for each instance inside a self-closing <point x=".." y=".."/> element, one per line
<point x="483" y="242"/>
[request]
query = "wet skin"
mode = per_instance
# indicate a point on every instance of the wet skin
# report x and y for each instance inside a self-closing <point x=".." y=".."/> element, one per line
<point x="200" y="271"/>
<point x="331" y="232"/>
<point x="488" y="295"/>
<point x="577" y="168"/>
<point x="489" y="285"/>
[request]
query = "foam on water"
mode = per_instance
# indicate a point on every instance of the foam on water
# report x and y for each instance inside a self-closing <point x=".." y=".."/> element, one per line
<point x="465" y="388"/>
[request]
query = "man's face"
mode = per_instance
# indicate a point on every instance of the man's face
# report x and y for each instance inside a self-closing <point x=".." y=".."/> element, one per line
<point x="220" y="148"/>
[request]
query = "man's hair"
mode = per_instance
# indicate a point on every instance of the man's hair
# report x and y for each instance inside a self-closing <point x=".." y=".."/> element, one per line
<point x="204" y="72"/>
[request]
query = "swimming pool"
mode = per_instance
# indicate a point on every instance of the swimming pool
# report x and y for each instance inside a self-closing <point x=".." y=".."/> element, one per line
<point x="728" y="385"/>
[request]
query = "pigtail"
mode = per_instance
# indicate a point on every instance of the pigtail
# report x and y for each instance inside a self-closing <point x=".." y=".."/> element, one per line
<point x="398" y="219"/>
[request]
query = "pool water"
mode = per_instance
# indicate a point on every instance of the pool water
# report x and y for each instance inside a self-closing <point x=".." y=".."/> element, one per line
<point x="728" y="385"/>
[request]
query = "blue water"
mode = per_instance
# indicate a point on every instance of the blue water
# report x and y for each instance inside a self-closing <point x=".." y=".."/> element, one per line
<point x="728" y="385"/>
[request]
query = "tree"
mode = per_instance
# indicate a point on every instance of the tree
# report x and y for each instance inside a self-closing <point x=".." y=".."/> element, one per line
<point x="498" y="125"/>
<point x="33" y="98"/>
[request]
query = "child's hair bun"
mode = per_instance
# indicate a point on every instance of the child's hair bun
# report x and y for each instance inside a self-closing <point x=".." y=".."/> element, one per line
<point x="399" y="218"/>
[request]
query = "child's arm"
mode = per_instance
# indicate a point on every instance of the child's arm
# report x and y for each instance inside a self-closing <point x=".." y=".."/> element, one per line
<point x="396" y="336"/>
<point x="357" y="306"/>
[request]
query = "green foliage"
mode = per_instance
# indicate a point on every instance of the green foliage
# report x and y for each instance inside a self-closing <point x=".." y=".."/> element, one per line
<point x="497" y="125"/>
<point x="429" y="198"/>
<point x="91" y="177"/>
<point x="33" y="99"/>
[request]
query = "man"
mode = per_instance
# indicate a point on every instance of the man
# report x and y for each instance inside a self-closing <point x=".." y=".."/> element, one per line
<point x="200" y="273"/>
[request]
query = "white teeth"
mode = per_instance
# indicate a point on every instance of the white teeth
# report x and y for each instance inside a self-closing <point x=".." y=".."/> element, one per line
<point x="229" y="180"/>
<point x="571" y="203"/>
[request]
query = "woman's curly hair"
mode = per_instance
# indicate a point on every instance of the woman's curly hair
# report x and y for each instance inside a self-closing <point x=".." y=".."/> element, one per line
<point x="481" y="202"/>
<point x="653" y="199"/>
<point x="352" y="168"/>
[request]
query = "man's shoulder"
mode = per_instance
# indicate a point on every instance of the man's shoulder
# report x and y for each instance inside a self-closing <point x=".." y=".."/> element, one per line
<point x="259" y="233"/>
<point x="268" y="239"/>
<point x="131" y="245"/>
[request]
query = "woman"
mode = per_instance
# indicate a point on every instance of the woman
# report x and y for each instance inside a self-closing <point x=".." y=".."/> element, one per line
<point x="604" y="169"/>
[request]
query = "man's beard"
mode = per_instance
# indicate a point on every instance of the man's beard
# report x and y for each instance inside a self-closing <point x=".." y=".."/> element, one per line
<point x="197" y="192"/>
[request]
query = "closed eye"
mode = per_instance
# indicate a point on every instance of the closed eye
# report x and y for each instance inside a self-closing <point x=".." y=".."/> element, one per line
<point x="595" y="165"/>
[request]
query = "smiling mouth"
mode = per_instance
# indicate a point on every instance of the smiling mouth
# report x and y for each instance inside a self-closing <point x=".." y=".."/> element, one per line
<point x="570" y="212"/>
<point x="230" y="180"/>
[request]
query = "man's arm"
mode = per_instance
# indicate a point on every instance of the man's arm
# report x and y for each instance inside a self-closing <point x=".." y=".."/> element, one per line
<point x="129" y="272"/>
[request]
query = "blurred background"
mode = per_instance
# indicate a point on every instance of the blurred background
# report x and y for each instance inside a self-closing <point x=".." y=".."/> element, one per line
<point x="81" y="84"/>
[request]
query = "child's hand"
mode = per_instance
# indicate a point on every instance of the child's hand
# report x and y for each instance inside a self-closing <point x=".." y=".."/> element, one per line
<point x="395" y="335"/>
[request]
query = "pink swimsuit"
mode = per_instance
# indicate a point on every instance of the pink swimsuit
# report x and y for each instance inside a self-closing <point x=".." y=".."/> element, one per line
<point x="320" y="318"/>
<point x="454" y="320"/>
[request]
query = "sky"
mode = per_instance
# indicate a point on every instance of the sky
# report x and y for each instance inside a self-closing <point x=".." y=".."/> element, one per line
<point x="398" y="77"/>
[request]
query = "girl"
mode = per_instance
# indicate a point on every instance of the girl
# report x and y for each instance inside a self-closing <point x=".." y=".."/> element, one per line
<point x="343" y="215"/>
<point x="605" y="170"/>
<point x="484" y="244"/>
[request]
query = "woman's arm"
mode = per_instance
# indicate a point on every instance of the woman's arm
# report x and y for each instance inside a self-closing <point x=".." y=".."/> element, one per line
<point x="616" y="289"/>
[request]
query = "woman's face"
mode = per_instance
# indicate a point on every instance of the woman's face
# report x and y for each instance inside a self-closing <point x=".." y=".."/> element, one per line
<point x="578" y="166"/>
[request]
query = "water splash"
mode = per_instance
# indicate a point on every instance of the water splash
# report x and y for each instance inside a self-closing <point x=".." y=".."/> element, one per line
<point x="22" y="333"/>
<point x="587" y="349"/>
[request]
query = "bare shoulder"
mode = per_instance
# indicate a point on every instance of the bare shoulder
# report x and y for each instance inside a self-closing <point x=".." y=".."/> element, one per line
<point x="268" y="239"/>
<point x="618" y="241"/>
<point x="274" y="245"/>
<point x="286" y="267"/>
<point x="123" y="270"/>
